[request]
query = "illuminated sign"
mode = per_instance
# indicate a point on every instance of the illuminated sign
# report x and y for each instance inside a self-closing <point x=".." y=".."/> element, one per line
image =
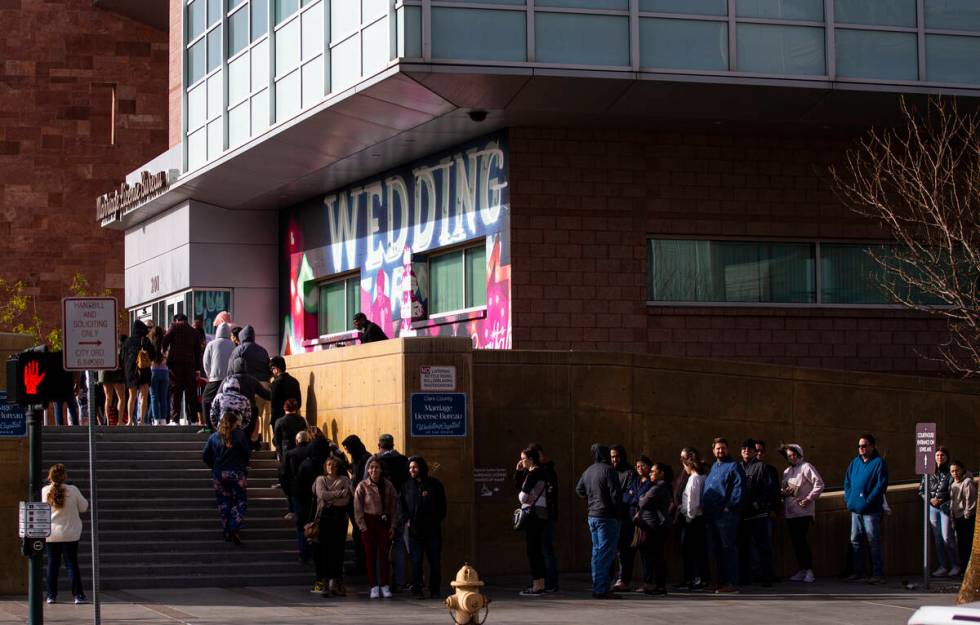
<point x="39" y="378"/>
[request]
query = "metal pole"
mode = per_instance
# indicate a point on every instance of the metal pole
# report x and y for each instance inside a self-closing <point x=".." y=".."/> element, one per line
<point x="35" y="584"/>
<point x="93" y="502"/>
<point x="925" y="532"/>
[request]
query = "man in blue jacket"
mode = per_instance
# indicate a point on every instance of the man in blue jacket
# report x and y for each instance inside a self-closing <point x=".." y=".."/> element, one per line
<point x="865" y="484"/>
<point x="721" y="502"/>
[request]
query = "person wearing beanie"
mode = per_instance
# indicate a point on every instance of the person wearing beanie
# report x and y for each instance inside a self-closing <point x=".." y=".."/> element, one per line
<point x="284" y="387"/>
<point x="801" y="487"/>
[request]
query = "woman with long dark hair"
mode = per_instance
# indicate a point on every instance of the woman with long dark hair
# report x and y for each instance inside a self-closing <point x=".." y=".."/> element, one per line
<point x="533" y="496"/>
<point x="694" y="546"/>
<point x="227" y="453"/>
<point x="333" y="493"/>
<point x="654" y="523"/>
<point x="159" y="379"/>
<point x="67" y="504"/>
<point x="374" y="510"/>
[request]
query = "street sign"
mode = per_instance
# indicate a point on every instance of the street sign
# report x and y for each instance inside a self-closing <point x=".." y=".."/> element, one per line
<point x="925" y="448"/>
<point x="35" y="519"/>
<point x="89" y="331"/>
<point x="437" y="378"/>
<point x="13" y="419"/>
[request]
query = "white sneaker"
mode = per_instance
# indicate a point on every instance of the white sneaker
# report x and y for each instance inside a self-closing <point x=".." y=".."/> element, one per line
<point x="940" y="572"/>
<point x="955" y="571"/>
<point x="798" y="577"/>
<point x="376" y="592"/>
<point x="386" y="592"/>
<point x="808" y="578"/>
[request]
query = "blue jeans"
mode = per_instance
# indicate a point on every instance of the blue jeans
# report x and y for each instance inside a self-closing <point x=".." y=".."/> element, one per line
<point x="605" y="537"/>
<point x="868" y="526"/>
<point x="159" y="394"/>
<point x="723" y="529"/>
<point x="941" y="525"/>
<point x="59" y="412"/>
<point x="550" y="557"/>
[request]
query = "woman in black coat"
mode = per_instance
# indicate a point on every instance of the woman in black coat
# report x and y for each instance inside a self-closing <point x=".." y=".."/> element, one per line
<point x="137" y="377"/>
<point x="653" y="523"/>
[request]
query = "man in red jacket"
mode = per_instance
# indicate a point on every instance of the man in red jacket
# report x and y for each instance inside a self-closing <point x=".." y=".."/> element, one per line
<point x="182" y="343"/>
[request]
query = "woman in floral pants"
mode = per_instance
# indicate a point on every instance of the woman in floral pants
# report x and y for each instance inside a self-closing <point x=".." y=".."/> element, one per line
<point x="227" y="453"/>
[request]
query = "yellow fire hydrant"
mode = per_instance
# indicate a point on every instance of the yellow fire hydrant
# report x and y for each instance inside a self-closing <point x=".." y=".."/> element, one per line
<point x="466" y="603"/>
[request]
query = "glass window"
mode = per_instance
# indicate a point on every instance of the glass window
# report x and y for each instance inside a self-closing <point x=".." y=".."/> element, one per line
<point x="238" y="125"/>
<point x="849" y="275"/>
<point x="691" y="7"/>
<point x="345" y="64"/>
<point x="618" y="5"/>
<point x="373" y="9"/>
<point x="731" y="271"/>
<point x="339" y="301"/>
<point x="343" y="20"/>
<point x="511" y="2"/>
<point x="195" y="19"/>
<point x="953" y="14"/>
<point x="458" y="279"/>
<point x="216" y="142"/>
<point x="410" y="32"/>
<point x="287" y="47"/>
<point x="880" y="12"/>
<point x="196" y="59"/>
<point x="260" y="65"/>
<point x="237" y="32"/>
<point x="683" y="44"/>
<point x="260" y="112"/>
<point x="313" y="82"/>
<point x="876" y="54"/>
<point x="288" y="99"/>
<point x="197" y="106"/>
<point x="234" y="3"/>
<point x="238" y="87"/>
<point x="479" y="34"/>
<point x="313" y="31"/>
<point x="214" y="11"/>
<point x="214" y="48"/>
<point x="374" y="47"/>
<point x="581" y="39"/>
<point x="952" y="59"/>
<point x="285" y="8"/>
<point x="781" y="9"/>
<point x="215" y="95"/>
<point x="793" y="50"/>
<point x="260" y="18"/>
<point x="197" y="149"/>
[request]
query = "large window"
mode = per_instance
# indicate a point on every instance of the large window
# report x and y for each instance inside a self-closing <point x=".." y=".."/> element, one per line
<point x="766" y="272"/>
<point x="339" y="301"/>
<point x="458" y="279"/>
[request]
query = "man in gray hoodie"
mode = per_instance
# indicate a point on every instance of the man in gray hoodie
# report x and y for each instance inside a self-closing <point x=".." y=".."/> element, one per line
<point x="217" y="353"/>
<point x="600" y="485"/>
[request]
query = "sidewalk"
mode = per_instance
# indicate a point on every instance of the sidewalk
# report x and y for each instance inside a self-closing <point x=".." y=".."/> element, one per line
<point x="823" y="603"/>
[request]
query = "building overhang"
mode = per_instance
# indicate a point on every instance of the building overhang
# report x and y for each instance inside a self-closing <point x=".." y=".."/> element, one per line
<point x="154" y="13"/>
<point x="411" y="110"/>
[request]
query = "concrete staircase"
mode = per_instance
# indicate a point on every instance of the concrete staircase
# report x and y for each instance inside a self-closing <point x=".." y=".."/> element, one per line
<point x="158" y="524"/>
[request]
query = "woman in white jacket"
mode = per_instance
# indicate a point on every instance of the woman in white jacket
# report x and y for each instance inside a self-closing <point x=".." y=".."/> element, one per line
<point x="67" y="504"/>
<point x="801" y="487"/>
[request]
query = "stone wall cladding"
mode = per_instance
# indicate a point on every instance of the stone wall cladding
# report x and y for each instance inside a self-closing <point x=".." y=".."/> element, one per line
<point x="58" y="62"/>
<point x="584" y="202"/>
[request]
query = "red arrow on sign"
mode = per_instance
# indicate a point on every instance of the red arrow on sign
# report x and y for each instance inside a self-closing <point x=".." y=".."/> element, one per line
<point x="96" y="343"/>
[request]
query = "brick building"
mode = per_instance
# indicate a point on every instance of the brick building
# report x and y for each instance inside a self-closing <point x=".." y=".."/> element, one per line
<point x="82" y="98"/>
<point x="647" y="176"/>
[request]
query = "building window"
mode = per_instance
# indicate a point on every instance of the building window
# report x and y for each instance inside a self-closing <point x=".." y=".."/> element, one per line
<point x="458" y="279"/>
<point x="339" y="300"/>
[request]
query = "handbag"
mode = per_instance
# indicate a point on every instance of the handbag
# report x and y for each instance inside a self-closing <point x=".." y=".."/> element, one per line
<point x="142" y="359"/>
<point x="312" y="529"/>
<point x="522" y="514"/>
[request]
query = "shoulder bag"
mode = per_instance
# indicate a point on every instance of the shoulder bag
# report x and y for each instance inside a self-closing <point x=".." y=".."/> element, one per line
<point x="521" y="515"/>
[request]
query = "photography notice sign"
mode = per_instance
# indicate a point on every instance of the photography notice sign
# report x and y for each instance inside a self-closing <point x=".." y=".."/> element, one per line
<point x="89" y="331"/>
<point x="13" y="419"/>
<point x="491" y="482"/>
<point x="438" y="414"/>
<point x="438" y="378"/>
<point x="925" y="448"/>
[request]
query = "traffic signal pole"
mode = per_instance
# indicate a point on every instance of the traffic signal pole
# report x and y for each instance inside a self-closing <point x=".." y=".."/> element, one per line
<point x="35" y="586"/>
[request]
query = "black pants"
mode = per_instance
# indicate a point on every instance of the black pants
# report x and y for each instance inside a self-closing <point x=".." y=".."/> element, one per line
<point x="694" y="547"/>
<point x="184" y="389"/>
<point x="964" y="539"/>
<point x="359" y="566"/>
<point x="534" y="532"/>
<point x="70" y="552"/>
<point x="798" y="528"/>
<point x="627" y="553"/>
<point x="755" y="551"/>
<point x="209" y="392"/>
<point x="427" y="546"/>
<point x="652" y="555"/>
<point x="328" y="551"/>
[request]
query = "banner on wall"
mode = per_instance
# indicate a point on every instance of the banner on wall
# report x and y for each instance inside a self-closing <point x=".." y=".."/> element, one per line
<point x="385" y="228"/>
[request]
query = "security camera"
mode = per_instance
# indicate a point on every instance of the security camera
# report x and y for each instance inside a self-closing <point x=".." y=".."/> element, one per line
<point x="478" y="116"/>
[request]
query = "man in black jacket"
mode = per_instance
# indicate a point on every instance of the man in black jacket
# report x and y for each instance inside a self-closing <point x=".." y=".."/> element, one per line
<point x="370" y="331"/>
<point x="290" y="465"/>
<point x="625" y="549"/>
<point x="359" y="456"/>
<point x="599" y="484"/>
<point x="284" y="386"/>
<point x="291" y="424"/>
<point x="301" y="486"/>
<point x="394" y="466"/>
<point x="755" y="528"/>
<point x="251" y="362"/>
<point x="423" y="508"/>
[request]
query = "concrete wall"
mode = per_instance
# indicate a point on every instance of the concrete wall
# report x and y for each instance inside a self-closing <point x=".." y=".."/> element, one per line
<point x="13" y="487"/>
<point x="657" y="405"/>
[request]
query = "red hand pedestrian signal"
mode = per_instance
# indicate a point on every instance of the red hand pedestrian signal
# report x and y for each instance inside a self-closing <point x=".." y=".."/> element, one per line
<point x="32" y="378"/>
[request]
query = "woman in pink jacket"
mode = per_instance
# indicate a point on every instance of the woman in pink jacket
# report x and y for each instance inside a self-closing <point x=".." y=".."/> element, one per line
<point x="801" y="487"/>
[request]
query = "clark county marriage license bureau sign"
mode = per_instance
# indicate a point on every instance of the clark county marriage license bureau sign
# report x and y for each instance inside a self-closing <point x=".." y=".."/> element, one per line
<point x="438" y="414"/>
